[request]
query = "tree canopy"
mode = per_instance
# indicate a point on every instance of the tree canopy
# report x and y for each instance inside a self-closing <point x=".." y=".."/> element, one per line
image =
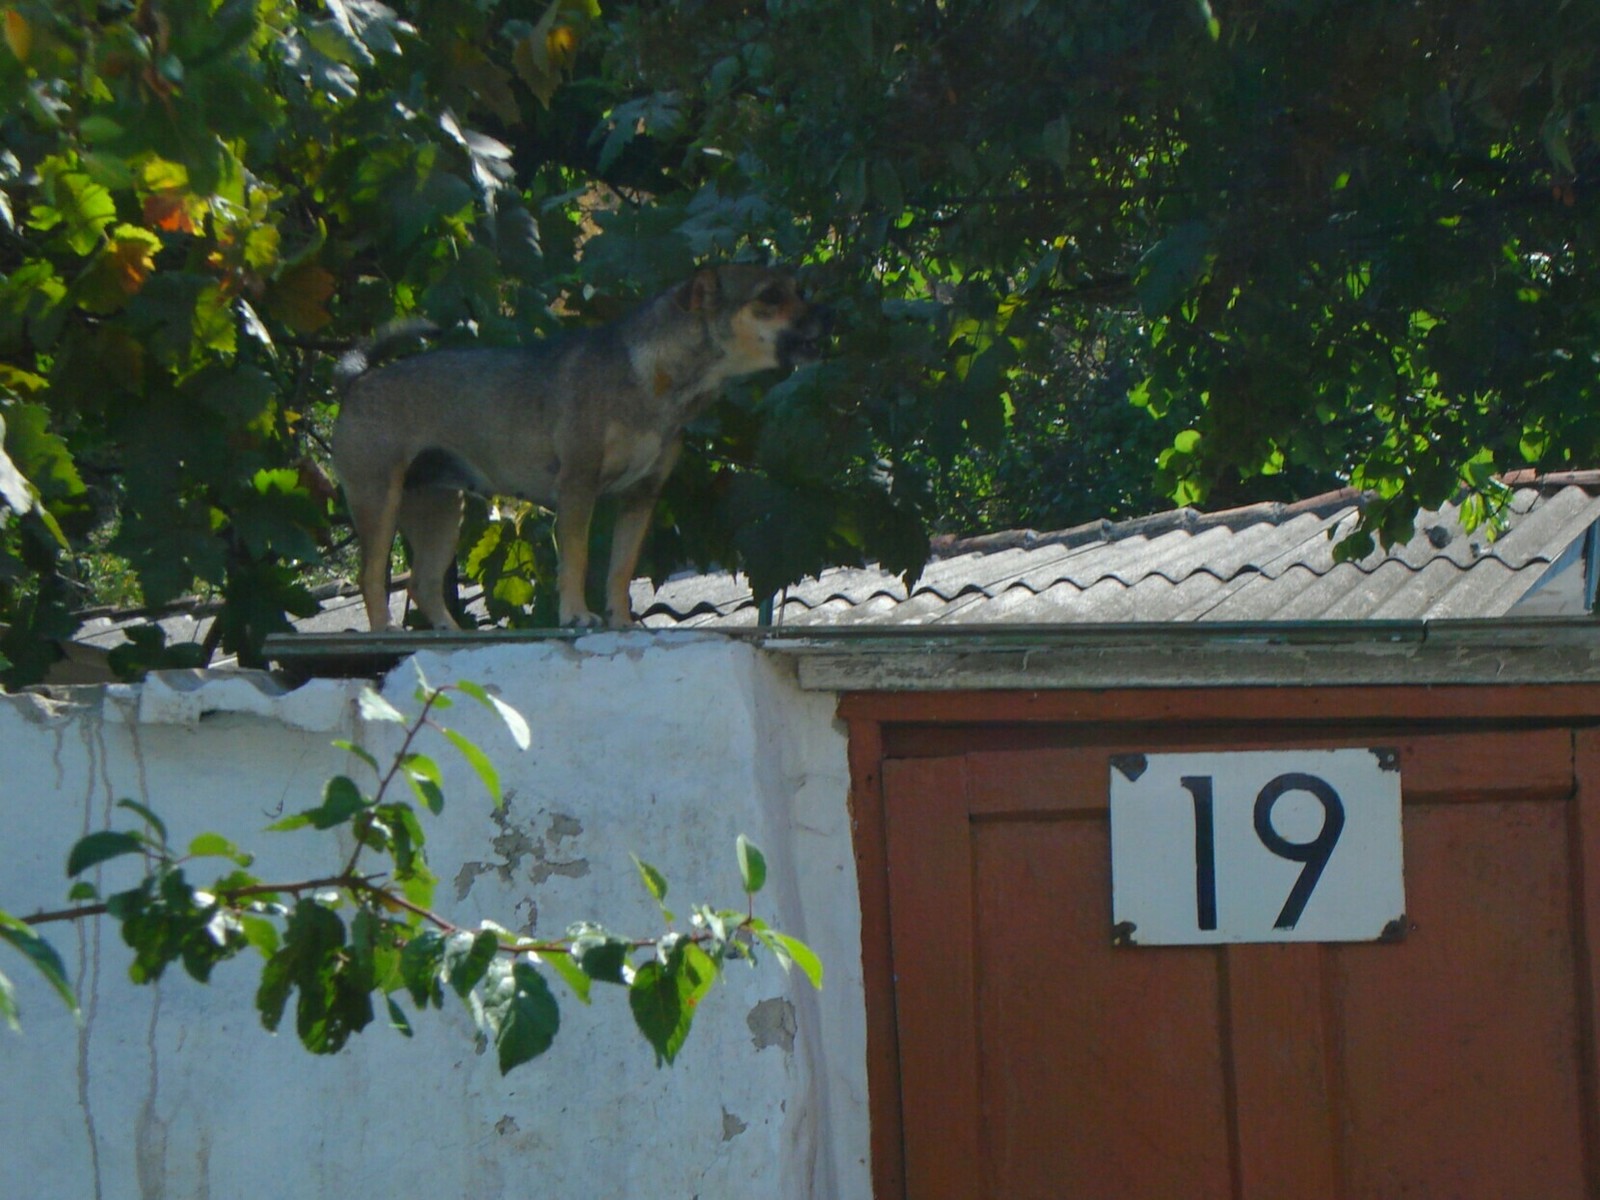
<point x="1085" y="257"/>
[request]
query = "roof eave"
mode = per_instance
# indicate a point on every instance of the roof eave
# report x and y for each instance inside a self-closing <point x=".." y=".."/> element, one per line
<point x="1533" y="650"/>
<point x="1530" y="650"/>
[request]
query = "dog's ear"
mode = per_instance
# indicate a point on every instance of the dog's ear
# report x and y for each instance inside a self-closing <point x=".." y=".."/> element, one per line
<point x="702" y="292"/>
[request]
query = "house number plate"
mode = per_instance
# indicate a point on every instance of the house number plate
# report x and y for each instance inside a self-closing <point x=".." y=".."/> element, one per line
<point x="1256" y="846"/>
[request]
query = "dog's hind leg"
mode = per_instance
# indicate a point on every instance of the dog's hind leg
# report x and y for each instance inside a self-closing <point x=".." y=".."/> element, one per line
<point x="431" y="523"/>
<point x="374" y="513"/>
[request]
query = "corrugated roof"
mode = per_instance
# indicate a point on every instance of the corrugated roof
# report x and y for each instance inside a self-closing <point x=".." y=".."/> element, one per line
<point x="1264" y="562"/>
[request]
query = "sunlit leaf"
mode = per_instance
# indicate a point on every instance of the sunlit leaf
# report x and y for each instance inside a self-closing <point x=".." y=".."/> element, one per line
<point x="514" y="721"/>
<point x="752" y="865"/>
<point x="655" y="883"/>
<point x="214" y="845"/>
<point x="374" y="707"/>
<point x="480" y="763"/>
<point x="803" y="957"/>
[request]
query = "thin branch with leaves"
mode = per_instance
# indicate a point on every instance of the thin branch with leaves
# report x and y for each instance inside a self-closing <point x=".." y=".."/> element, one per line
<point x="393" y="944"/>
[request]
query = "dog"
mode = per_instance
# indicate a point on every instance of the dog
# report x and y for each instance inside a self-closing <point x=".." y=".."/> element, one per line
<point x="561" y="423"/>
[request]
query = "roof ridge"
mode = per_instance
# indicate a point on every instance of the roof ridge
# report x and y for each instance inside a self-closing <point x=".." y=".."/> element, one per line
<point x="1531" y="477"/>
<point x="1193" y="519"/>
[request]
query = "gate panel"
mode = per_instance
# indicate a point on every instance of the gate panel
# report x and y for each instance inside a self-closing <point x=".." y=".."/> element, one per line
<point x="1458" y="1048"/>
<point x="930" y="920"/>
<point x="1101" y="1073"/>
<point x="1039" y="1061"/>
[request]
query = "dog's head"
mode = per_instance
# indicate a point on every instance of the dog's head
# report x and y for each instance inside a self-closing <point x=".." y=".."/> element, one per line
<point x="762" y="315"/>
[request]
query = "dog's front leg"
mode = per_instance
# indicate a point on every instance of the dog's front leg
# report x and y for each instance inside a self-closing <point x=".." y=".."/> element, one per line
<point x="635" y="508"/>
<point x="633" y="522"/>
<point x="573" y="518"/>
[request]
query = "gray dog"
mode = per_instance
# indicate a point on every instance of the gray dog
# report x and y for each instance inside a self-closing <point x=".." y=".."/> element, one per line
<point x="599" y="412"/>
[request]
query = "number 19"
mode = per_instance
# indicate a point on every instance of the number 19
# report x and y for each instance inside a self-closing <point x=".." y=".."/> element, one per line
<point x="1314" y="854"/>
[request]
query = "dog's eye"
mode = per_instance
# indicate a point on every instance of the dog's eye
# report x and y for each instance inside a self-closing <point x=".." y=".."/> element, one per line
<point x="774" y="295"/>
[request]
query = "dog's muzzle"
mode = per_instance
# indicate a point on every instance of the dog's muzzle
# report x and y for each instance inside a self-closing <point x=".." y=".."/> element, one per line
<point x="807" y="340"/>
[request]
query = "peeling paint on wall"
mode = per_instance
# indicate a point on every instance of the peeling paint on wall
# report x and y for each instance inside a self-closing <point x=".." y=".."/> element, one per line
<point x="772" y="1023"/>
<point x="514" y="844"/>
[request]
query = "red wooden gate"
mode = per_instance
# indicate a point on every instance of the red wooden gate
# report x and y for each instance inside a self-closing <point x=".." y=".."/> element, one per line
<point x="1016" y="1053"/>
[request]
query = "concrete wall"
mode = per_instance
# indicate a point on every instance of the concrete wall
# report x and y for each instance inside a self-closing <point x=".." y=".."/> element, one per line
<point x="667" y="746"/>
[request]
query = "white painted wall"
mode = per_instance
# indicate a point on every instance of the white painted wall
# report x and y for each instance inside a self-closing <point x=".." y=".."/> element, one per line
<point x="665" y="745"/>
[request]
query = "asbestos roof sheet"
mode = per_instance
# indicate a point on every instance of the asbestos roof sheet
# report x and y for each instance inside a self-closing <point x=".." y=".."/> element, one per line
<point x="1265" y="562"/>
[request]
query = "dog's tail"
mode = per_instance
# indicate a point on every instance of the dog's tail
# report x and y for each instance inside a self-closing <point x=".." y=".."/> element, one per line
<point x="368" y="352"/>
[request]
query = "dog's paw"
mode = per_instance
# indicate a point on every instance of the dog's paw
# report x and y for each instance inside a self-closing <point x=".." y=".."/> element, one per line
<point x="582" y="620"/>
<point x="624" y="620"/>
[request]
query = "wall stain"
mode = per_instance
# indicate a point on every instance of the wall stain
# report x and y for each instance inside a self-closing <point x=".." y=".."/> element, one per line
<point x="150" y="1131"/>
<point x="87" y="982"/>
<point x="732" y="1126"/>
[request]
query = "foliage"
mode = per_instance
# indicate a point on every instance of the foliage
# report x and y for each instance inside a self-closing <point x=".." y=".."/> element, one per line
<point x="1311" y="240"/>
<point x="336" y="945"/>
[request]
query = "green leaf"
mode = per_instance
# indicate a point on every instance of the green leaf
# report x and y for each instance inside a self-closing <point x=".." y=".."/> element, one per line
<point x="570" y="972"/>
<point x="82" y="209"/>
<point x="333" y="978"/>
<point x="8" y="1002"/>
<point x="422" y="967"/>
<point x="520" y="1011"/>
<point x="418" y="886"/>
<point x="517" y="727"/>
<point x="374" y="707"/>
<point x="14" y="487"/>
<point x="361" y="753"/>
<point x="405" y="837"/>
<point x="214" y="845"/>
<point x="467" y="956"/>
<point x="260" y="933"/>
<point x="665" y="995"/>
<point x="655" y="883"/>
<point x="43" y="455"/>
<point x="803" y="957"/>
<point x="479" y="763"/>
<point x="422" y="773"/>
<point x="98" y="847"/>
<point x="601" y="956"/>
<point x="1173" y="266"/>
<point x="155" y="822"/>
<point x="341" y="800"/>
<point x="752" y="865"/>
<point x="43" y="956"/>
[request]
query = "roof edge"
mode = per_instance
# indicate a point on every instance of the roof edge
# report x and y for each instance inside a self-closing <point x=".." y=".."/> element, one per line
<point x="1491" y="651"/>
<point x="1480" y="652"/>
